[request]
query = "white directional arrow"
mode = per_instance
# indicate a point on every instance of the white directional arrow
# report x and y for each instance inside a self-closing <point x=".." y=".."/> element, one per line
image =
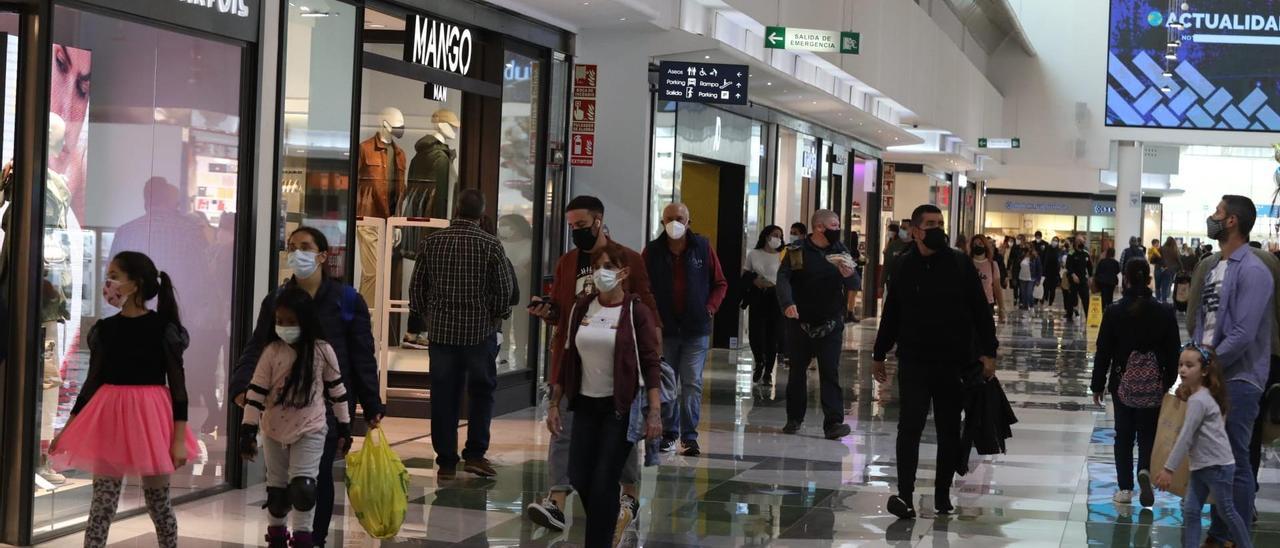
<point x="774" y="38"/>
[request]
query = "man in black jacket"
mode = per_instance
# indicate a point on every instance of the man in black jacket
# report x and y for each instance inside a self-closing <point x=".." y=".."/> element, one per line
<point x="937" y="315"/>
<point x="344" y="318"/>
<point x="812" y="280"/>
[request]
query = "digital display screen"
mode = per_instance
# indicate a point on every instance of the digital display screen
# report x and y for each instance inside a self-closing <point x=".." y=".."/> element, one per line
<point x="1226" y="74"/>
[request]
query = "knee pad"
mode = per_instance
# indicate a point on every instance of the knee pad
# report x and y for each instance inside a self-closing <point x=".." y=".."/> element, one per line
<point x="302" y="493"/>
<point x="277" y="502"/>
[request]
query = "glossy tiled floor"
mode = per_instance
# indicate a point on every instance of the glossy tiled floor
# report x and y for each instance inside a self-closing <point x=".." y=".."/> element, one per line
<point x="755" y="486"/>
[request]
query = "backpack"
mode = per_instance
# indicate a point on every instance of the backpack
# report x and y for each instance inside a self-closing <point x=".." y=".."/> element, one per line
<point x="1140" y="385"/>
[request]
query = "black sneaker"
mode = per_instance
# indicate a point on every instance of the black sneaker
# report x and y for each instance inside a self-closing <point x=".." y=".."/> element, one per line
<point x="836" y="431"/>
<point x="546" y="514"/>
<point x="943" y="507"/>
<point x="901" y="508"/>
<point x="691" y="448"/>
<point x="668" y="445"/>
<point x="791" y="427"/>
<point x="1147" y="497"/>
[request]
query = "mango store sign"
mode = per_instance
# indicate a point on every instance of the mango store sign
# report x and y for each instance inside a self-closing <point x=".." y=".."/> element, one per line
<point x="437" y="44"/>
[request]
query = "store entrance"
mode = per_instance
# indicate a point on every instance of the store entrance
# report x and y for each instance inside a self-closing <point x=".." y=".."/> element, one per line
<point x="715" y="193"/>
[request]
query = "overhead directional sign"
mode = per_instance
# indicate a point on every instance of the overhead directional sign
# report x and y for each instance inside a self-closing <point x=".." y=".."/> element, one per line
<point x="703" y="82"/>
<point x="827" y="41"/>
<point x="992" y="142"/>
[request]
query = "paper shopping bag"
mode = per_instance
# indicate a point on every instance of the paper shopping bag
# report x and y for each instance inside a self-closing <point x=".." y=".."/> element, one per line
<point x="1173" y="412"/>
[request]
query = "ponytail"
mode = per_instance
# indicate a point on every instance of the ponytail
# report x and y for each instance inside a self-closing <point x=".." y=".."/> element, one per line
<point x="167" y="300"/>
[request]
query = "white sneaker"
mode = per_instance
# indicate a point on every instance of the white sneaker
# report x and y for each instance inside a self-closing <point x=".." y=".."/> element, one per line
<point x="1123" y="496"/>
<point x="49" y="475"/>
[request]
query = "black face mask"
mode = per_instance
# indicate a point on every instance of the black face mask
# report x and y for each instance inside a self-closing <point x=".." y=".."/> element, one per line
<point x="833" y="236"/>
<point x="979" y="250"/>
<point x="584" y="238"/>
<point x="935" y="238"/>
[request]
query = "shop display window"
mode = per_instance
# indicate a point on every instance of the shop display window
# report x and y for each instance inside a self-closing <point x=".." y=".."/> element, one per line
<point x="516" y="200"/>
<point x="145" y="159"/>
<point x="797" y="172"/>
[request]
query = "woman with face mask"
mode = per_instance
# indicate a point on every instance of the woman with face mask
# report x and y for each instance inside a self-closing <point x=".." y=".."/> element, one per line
<point x="345" y="324"/>
<point x="759" y="276"/>
<point x="988" y="272"/>
<point x="609" y="372"/>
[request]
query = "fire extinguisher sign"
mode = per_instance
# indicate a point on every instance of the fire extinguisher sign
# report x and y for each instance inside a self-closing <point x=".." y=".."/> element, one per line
<point x="582" y="139"/>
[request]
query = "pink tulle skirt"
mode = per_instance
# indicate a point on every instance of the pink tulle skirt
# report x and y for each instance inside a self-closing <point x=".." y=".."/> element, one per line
<point x="122" y="431"/>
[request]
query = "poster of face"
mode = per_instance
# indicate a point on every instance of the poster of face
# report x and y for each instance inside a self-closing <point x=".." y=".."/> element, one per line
<point x="69" y="100"/>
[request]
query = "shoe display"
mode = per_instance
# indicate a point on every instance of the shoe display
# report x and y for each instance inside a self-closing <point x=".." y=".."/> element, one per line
<point x="479" y="467"/>
<point x="50" y="476"/>
<point x="1123" y="496"/>
<point x="901" y="508"/>
<point x="1147" y="496"/>
<point x="546" y="514"/>
<point x="691" y="448"/>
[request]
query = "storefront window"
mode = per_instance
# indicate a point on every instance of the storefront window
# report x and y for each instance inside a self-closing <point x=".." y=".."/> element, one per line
<point x="797" y="169"/>
<point x="9" y="71"/>
<point x="664" y="160"/>
<point x="316" y="149"/>
<point x="146" y="159"/>
<point x="522" y="77"/>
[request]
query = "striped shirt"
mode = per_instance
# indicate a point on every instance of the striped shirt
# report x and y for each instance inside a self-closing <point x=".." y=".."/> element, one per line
<point x="285" y="423"/>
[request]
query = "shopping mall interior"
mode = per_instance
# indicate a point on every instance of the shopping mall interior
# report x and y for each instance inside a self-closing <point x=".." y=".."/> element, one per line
<point x="392" y="167"/>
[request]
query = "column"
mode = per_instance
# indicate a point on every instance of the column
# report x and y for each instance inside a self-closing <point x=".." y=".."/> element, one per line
<point x="1128" y="192"/>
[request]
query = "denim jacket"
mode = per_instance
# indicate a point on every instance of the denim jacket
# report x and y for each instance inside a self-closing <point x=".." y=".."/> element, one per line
<point x="1242" y="335"/>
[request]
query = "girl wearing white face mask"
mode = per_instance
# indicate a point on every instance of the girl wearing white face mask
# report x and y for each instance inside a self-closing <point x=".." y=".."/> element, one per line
<point x="759" y="275"/>
<point x="609" y="372"/>
<point x="296" y="377"/>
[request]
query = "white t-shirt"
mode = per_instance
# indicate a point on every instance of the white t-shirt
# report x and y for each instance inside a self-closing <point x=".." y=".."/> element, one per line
<point x="764" y="264"/>
<point x="1212" y="300"/>
<point x="1024" y="273"/>
<point x="596" y="340"/>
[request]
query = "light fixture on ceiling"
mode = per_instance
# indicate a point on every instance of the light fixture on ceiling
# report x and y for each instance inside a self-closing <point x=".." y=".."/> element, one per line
<point x="622" y="18"/>
<point x="586" y="3"/>
<point x="815" y="102"/>
<point x="768" y="83"/>
<point x="304" y="8"/>
<point x="316" y="14"/>
<point x="706" y="56"/>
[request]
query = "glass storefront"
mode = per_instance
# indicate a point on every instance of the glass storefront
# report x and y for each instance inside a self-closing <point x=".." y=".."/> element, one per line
<point x="521" y="100"/>
<point x="796" y="177"/>
<point x="159" y="131"/>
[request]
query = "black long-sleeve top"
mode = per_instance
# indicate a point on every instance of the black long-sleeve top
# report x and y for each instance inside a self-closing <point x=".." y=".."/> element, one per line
<point x="935" y="310"/>
<point x="1079" y="263"/>
<point x="141" y="351"/>
<point x="1051" y="263"/>
<point x="344" y="319"/>
<point x="1135" y="323"/>
<point x="1108" y="272"/>
<point x="809" y="281"/>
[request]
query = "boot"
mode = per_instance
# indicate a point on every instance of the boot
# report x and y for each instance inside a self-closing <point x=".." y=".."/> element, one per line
<point x="277" y="536"/>
<point x="301" y="539"/>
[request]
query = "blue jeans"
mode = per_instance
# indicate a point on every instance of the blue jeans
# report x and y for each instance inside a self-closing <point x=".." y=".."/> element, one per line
<point x="454" y="367"/>
<point x="1245" y="399"/>
<point x="687" y="355"/>
<point x="1028" y="293"/>
<point x="1164" y="283"/>
<point x="1217" y="480"/>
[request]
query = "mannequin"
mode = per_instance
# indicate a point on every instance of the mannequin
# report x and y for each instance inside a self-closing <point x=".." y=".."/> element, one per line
<point x="53" y="303"/>
<point x="380" y="189"/>
<point x="430" y="178"/>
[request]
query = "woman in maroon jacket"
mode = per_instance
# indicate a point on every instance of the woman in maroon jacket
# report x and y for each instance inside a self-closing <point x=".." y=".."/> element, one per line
<point x="612" y="342"/>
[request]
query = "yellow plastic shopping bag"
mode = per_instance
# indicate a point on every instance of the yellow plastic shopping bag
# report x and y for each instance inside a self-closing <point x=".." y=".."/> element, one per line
<point x="378" y="486"/>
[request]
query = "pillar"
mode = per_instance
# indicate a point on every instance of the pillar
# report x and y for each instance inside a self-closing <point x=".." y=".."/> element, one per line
<point x="1128" y="192"/>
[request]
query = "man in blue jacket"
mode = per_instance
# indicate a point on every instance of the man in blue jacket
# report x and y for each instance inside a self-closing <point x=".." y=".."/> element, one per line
<point x="344" y="317"/>
<point x="1234" y="319"/>
<point x="688" y="286"/>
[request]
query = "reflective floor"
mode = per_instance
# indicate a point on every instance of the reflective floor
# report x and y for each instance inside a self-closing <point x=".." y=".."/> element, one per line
<point x="754" y="486"/>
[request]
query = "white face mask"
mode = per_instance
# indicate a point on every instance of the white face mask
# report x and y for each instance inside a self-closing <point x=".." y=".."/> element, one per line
<point x="676" y="230"/>
<point x="795" y="238"/>
<point x="605" y="280"/>
<point x="775" y="242"/>
<point x="289" y="334"/>
<point x="304" y="263"/>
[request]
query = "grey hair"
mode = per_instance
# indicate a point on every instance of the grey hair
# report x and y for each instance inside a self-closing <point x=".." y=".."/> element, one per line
<point x="821" y="216"/>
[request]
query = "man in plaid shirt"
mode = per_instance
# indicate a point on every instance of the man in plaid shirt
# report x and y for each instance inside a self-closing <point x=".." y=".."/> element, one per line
<point x="462" y="285"/>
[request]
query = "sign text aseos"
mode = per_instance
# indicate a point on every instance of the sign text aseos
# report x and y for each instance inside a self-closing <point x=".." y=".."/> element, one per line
<point x="439" y="45"/>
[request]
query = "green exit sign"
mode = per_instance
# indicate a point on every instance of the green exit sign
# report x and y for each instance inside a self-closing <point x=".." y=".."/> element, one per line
<point x="999" y="142"/>
<point x="823" y="41"/>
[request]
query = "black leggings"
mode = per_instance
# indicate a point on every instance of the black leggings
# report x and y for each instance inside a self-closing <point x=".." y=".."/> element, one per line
<point x="597" y="453"/>
<point x="765" y="327"/>
<point x="1131" y="423"/>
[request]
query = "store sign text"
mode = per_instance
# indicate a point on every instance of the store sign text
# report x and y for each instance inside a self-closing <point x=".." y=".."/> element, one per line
<point x="238" y="8"/>
<point x="1036" y="207"/>
<point x="439" y="45"/>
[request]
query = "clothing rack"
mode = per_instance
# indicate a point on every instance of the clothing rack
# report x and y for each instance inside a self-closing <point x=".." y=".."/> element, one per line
<point x="386" y="307"/>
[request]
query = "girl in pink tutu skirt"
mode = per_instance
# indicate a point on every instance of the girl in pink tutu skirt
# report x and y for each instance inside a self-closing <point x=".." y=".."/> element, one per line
<point x="131" y="416"/>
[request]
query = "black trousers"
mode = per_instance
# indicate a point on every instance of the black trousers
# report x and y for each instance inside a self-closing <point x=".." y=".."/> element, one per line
<point x="827" y="351"/>
<point x="919" y="386"/>
<point x="1051" y="290"/>
<point x="598" y="450"/>
<point x="1108" y="293"/>
<point x="1080" y="295"/>
<point x="765" y="327"/>
<point x="324" y="486"/>
<point x="1133" y="422"/>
